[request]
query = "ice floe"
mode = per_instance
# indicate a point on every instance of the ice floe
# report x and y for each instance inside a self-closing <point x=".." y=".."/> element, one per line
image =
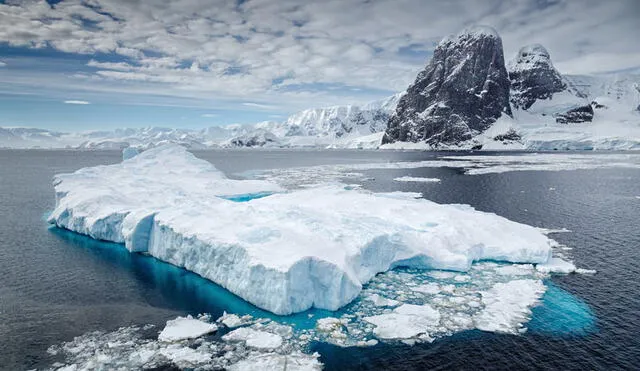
<point x="254" y="338"/>
<point x="471" y="164"/>
<point x="507" y="305"/>
<point x="416" y="179"/>
<point x="404" y="305"/>
<point x="259" y="347"/>
<point x="406" y="321"/>
<point x="185" y="328"/>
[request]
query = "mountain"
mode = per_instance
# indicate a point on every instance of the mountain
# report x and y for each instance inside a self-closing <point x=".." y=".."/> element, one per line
<point x="448" y="106"/>
<point x="461" y="92"/>
<point x="533" y="77"/>
<point x="318" y="127"/>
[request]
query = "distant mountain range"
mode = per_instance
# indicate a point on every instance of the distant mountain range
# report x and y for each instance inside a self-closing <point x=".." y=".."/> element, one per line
<point x="467" y="97"/>
<point x="318" y="127"/>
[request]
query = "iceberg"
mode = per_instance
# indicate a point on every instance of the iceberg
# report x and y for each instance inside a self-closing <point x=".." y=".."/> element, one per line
<point x="290" y="250"/>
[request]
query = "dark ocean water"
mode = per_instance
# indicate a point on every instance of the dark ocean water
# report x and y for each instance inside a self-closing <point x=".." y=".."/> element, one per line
<point x="55" y="284"/>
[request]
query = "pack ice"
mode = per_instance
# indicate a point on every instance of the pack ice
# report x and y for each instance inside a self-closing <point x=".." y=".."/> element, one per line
<point x="288" y="251"/>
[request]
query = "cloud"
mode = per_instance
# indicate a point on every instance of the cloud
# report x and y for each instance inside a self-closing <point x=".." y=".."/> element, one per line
<point x="209" y="115"/>
<point x="258" y="105"/>
<point x="81" y="102"/>
<point x="2" y="64"/>
<point x="282" y="52"/>
<point x="601" y="63"/>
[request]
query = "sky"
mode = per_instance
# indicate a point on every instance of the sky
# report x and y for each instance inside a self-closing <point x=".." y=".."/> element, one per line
<point x="103" y="64"/>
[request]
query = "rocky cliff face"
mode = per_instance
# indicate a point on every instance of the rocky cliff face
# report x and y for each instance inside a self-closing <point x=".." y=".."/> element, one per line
<point x="533" y="77"/>
<point x="461" y="92"/>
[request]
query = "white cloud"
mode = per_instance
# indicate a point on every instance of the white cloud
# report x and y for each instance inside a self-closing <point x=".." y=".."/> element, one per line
<point x="601" y="62"/>
<point x="81" y="102"/>
<point x="2" y="64"/>
<point x="281" y="52"/>
<point x="209" y="115"/>
<point x="258" y="105"/>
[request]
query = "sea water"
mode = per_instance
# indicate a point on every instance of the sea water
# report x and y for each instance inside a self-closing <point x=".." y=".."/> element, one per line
<point x="56" y="284"/>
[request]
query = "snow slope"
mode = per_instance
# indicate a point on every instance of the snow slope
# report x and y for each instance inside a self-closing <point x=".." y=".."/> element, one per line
<point x="286" y="252"/>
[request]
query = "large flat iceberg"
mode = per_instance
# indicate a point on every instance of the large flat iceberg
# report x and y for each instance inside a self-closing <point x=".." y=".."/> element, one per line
<point x="286" y="252"/>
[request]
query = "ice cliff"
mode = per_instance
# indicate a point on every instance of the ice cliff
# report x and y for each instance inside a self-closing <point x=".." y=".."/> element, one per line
<point x="288" y="251"/>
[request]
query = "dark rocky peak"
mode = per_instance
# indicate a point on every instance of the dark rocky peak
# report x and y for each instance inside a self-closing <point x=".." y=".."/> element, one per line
<point x="575" y="115"/>
<point x="533" y="77"/>
<point x="460" y="93"/>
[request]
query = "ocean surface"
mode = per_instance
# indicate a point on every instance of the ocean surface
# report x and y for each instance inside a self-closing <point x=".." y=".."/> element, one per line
<point x="55" y="285"/>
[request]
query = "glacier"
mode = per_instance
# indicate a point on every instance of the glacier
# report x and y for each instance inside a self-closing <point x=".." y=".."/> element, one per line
<point x="286" y="252"/>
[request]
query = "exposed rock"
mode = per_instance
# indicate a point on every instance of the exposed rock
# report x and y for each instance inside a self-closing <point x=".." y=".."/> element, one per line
<point x="575" y="115"/>
<point x="533" y="77"/>
<point x="258" y="138"/>
<point x="461" y="92"/>
<point x="510" y="135"/>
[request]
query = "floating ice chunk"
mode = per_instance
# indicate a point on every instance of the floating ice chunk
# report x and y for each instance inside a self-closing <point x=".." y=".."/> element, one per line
<point x="586" y="271"/>
<point x="461" y="278"/>
<point x="233" y="320"/>
<point x="270" y="361"/>
<point x="515" y="270"/>
<point x="405" y="322"/>
<point x="367" y="343"/>
<point x="287" y="252"/>
<point x="128" y="348"/>
<point x="429" y="288"/>
<point x="181" y="355"/>
<point x="442" y="275"/>
<point x="416" y="179"/>
<point x="551" y="230"/>
<point x="556" y="265"/>
<point x="507" y="305"/>
<point x="380" y="301"/>
<point x="328" y="324"/>
<point x="185" y="328"/>
<point x="254" y="338"/>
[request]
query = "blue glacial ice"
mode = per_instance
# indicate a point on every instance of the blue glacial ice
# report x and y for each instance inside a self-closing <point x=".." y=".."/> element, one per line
<point x="286" y="252"/>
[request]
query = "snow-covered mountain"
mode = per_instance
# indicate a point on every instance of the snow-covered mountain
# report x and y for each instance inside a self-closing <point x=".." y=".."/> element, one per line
<point x="461" y="92"/>
<point x="318" y="127"/>
<point x="458" y="102"/>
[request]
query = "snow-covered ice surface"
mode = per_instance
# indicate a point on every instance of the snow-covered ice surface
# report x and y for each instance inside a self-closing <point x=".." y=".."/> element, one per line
<point x="185" y="328"/>
<point x="287" y="252"/>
